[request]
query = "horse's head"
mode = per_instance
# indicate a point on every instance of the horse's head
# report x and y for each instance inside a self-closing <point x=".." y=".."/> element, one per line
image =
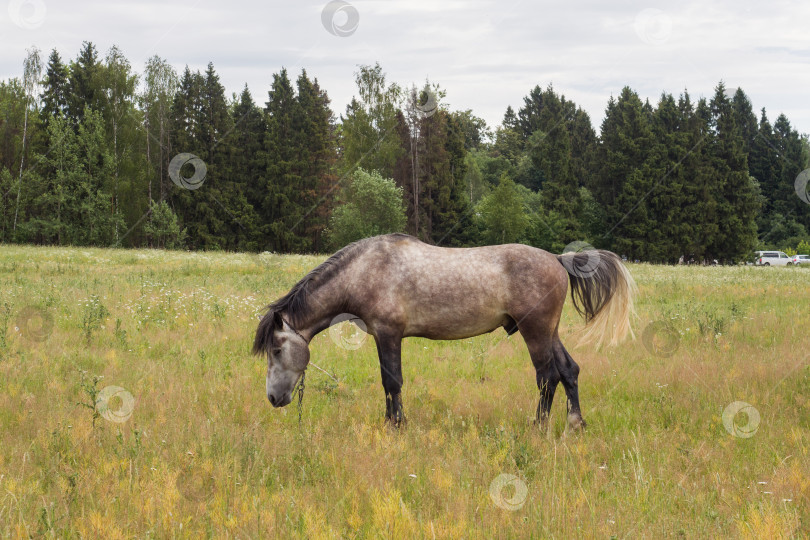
<point x="287" y="356"/>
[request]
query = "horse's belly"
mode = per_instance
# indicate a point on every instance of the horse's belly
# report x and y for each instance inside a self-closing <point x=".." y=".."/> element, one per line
<point x="445" y="325"/>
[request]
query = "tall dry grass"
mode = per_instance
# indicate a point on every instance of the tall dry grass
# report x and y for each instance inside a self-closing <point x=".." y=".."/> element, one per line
<point x="198" y="451"/>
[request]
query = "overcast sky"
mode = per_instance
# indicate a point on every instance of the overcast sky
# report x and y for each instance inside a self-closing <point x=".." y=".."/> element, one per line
<point x="485" y="54"/>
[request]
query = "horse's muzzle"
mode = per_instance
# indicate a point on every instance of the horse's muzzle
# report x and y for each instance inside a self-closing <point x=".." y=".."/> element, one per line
<point x="279" y="401"/>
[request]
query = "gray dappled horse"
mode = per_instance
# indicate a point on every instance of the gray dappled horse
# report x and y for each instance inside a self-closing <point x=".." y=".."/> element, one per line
<point x="400" y="287"/>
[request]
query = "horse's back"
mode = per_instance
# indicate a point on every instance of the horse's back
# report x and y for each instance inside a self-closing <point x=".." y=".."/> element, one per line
<point x="450" y="293"/>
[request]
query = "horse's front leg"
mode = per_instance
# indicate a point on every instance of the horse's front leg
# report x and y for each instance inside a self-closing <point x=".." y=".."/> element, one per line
<point x="389" y="349"/>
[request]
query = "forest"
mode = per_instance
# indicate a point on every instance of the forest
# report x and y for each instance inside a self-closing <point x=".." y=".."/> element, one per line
<point x="94" y="153"/>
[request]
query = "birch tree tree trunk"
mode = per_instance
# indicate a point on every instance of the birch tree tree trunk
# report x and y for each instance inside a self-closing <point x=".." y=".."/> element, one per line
<point x="32" y="71"/>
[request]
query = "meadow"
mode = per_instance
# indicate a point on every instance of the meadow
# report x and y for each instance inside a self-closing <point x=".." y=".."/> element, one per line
<point x="130" y="407"/>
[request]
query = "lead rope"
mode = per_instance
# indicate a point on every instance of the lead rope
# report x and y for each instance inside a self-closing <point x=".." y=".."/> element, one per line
<point x="300" y="389"/>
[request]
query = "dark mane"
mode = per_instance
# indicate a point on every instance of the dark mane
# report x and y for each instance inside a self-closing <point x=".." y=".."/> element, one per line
<point x="295" y="303"/>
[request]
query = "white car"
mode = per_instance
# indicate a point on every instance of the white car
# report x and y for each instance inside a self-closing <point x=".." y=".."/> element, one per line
<point x="799" y="259"/>
<point x="772" y="258"/>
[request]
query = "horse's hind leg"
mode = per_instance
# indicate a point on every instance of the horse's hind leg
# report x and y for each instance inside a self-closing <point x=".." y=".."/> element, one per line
<point x="389" y="349"/>
<point x="569" y="374"/>
<point x="547" y="374"/>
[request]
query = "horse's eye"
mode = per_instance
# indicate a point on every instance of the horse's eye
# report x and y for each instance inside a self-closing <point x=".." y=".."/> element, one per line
<point x="276" y="351"/>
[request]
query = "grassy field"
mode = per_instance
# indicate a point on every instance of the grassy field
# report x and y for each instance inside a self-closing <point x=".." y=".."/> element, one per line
<point x="130" y="407"/>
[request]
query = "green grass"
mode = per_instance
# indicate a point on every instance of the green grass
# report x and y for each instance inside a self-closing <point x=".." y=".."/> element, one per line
<point x="202" y="454"/>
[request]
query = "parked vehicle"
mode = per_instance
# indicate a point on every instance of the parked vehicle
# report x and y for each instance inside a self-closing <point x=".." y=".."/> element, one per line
<point x="772" y="258"/>
<point x="799" y="259"/>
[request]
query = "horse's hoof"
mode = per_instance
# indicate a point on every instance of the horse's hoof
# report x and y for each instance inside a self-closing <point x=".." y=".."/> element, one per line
<point x="575" y="422"/>
<point x="543" y="424"/>
<point x="394" y="422"/>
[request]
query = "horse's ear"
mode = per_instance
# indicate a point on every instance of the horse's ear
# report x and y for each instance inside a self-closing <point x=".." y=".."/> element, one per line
<point x="278" y="322"/>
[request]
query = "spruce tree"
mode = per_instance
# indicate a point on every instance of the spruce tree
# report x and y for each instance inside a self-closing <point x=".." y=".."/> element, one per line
<point x="85" y="82"/>
<point x="745" y="119"/>
<point x="247" y="168"/>
<point x="763" y="164"/>
<point x="55" y="89"/>
<point x="506" y="151"/>
<point x="451" y="220"/>
<point x="281" y="212"/>
<point x="188" y="135"/>
<point x="625" y="142"/>
<point x="318" y="160"/>
<point x="739" y="194"/>
<point x="793" y="159"/>
<point x="704" y="189"/>
<point x="221" y="201"/>
<point x="550" y="154"/>
<point x="404" y="173"/>
<point x="55" y="206"/>
<point x="669" y="226"/>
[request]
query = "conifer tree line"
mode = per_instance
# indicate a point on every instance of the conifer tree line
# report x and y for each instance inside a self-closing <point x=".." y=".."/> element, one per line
<point x="87" y="147"/>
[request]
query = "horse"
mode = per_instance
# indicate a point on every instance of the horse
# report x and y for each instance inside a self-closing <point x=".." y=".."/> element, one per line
<point x="400" y="287"/>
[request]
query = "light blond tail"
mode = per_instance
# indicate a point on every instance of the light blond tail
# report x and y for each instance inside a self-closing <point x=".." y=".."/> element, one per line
<point x="602" y="290"/>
